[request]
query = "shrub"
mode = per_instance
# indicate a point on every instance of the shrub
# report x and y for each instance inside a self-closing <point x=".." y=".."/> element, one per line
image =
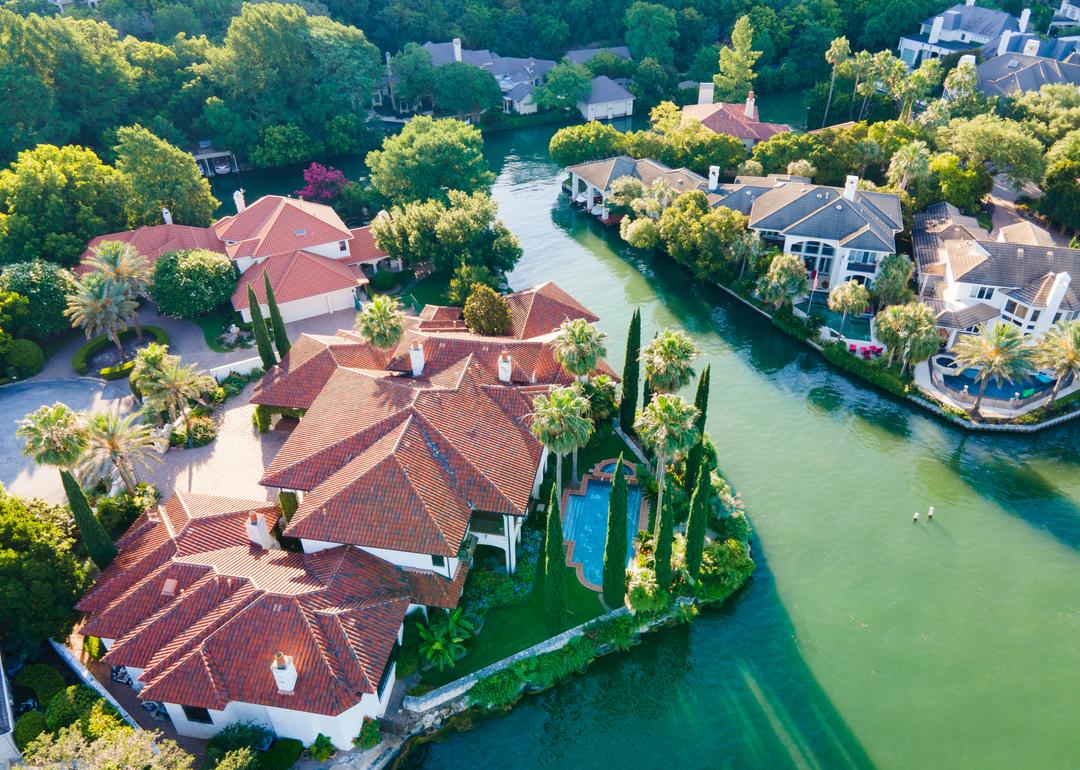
<point x="93" y="647"/>
<point x="239" y="735"/>
<point x="80" y="361"/>
<point x="734" y="526"/>
<point x="322" y="748"/>
<point x="203" y="431"/>
<point x="486" y="312"/>
<point x="117" y="513"/>
<point x="725" y="566"/>
<point x="45" y="286"/>
<point x="27" y="727"/>
<point x="100" y="719"/>
<point x="282" y="754"/>
<point x="603" y="398"/>
<point x="45" y="681"/>
<point x="643" y="594"/>
<point x="69" y="706"/>
<point x="465" y="277"/>
<point x="876" y="371"/>
<point x="499" y="689"/>
<point x="192" y="283"/>
<point x="261" y="418"/>
<point x="801" y="328"/>
<point x="238" y="759"/>
<point x="384" y="280"/>
<point x="26" y="357"/>
<point x="370" y="735"/>
<point x="116" y="372"/>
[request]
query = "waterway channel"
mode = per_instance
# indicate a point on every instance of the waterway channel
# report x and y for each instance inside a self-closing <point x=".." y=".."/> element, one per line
<point x="863" y="640"/>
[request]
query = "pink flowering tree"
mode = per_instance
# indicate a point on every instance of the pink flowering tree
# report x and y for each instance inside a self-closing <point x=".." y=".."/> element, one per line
<point x="324" y="183"/>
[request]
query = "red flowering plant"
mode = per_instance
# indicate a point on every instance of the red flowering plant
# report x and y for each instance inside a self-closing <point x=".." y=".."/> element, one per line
<point x="324" y="183"/>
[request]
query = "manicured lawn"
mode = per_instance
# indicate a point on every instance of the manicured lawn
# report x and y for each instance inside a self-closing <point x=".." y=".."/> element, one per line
<point x="428" y="291"/>
<point x="214" y="324"/>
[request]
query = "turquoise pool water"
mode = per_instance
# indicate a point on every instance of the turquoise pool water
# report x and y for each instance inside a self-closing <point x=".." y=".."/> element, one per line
<point x="585" y="523"/>
<point x="609" y="467"/>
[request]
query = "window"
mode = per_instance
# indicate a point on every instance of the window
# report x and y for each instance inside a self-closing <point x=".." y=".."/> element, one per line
<point x="1057" y="317"/>
<point x="197" y="714"/>
<point x="342" y="246"/>
<point x="1035" y="315"/>
<point x="1020" y="312"/>
<point x="438" y="561"/>
<point x="862" y="257"/>
<point x="386" y="671"/>
<point x="982" y="292"/>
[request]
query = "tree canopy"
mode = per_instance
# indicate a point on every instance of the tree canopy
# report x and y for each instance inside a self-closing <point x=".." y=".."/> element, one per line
<point x="159" y="175"/>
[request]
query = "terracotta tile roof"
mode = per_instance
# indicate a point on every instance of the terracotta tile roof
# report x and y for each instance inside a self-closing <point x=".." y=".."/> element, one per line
<point x="275" y="224"/>
<point x="295" y="276"/>
<point x="362" y="247"/>
<point x="435" y="590"/>
<point x="724" y="118"/>
<point x="539" y="311"/>
<point x="155" y="240"/>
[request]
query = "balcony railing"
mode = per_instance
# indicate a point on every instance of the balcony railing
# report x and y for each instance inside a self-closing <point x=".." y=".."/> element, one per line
<point x="487" y="523"/>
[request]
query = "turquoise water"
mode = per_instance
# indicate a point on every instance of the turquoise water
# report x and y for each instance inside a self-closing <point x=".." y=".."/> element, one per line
<point x="585" y="523"/>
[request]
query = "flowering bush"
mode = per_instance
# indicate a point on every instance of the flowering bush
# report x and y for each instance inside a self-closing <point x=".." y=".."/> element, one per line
<point x="324" y="183"/>
<point x="486" y="588"/>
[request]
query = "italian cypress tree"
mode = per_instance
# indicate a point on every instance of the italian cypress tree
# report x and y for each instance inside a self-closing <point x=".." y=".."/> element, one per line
<point x="98" y="543"/>
<point x="262" y="336"/>
<point x="697" y="523"/>
<point x="631" y="374"/>
<point x="665" y="534"/>
<point x="615" y="546"/>
<point x="554" y="565"/>
<point x="697" y="451"/>
<point x="277" y="323"/>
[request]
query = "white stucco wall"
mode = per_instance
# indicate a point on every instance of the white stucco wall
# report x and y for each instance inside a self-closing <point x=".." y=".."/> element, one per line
<point x="400" y="558"/>
<point x="298" y="310"/>
<point x="331" y="249"/>
<point x="605" y="110"/>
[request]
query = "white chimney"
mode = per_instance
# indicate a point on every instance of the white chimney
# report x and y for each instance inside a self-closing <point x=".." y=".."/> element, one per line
<point x="257" y="532"/>
<point x="238" y="200"/>
<point x="714" y="177"/>
<point x="1003" y="42"/>
<point x="457" y="49"/>
<point x="851" y="184"/>
<point x="969" y="3"/>
<point x="705" y="92"/>
<point x="166" y="216"/>
<point x="1025" y="19"/>
<point x="506" y="367"/>
<point x="284" y="672"/>
<point x="748" y="111"/>
<point x="1031" y="47"/>
<point x="416" y="358"/>
<point x="935" y="29"/>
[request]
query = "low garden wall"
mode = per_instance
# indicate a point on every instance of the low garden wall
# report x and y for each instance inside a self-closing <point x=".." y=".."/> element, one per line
<point x="246" y="366"/>
<point x="88" y="679"/>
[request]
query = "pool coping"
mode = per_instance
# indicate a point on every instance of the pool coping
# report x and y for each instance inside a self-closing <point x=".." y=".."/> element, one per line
<point x="579" y="490"/>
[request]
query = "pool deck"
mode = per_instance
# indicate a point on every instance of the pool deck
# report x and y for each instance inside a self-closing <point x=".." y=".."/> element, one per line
<point x="599" y="475"/>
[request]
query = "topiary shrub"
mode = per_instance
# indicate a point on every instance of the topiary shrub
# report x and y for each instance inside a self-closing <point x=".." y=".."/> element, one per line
<point x="239" y="735"/>
<point x="27" y="727"/>
<point x="191" y="283"/>
<point x="288" y="503"/>
<point x="203" y="431"/>
<point x="26" y="356"/>
<point x="80" y="361"/>
<point x="44" y="680"/>
<point x="384" y="280"/>
<point x="282" y="754"/>
<point x="116" y="372"/>
<point x="45" y="286"/>
<point x="261" y="418"/>
<point x="69" y="706"/>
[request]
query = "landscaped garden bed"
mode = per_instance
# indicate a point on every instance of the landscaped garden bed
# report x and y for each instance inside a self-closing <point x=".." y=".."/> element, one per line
<point x="99" y="356"/>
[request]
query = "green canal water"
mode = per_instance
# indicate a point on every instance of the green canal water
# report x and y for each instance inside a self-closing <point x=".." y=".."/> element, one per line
<point x="862" y="640"/>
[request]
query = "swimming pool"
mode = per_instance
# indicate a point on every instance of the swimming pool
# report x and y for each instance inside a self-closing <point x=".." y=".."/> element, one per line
<point x="585" y="526"/>
<point x="1005" y="390"/>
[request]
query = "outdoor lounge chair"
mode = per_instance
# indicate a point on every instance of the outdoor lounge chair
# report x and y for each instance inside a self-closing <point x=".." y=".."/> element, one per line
<point x="1028" y="393"/>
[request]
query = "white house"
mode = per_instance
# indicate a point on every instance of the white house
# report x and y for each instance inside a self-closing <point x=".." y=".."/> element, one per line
<point x="970" y="279"/>
<point x="607" y="99"/>
<point x="960" y="28"/>
<point x="590" y="182"/>
<point x="1067" y="15"/>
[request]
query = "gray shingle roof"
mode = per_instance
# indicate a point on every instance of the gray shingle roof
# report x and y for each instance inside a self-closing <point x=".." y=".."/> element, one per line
<point x="939" y="223"/>
<point x="603" y="89"/>
<point x="985" y="22"/>
<point x="509" y="70"/>
<point x="601" y="173"/>
<point x="582" y="55"/>
<point x="1050" y="48"/>
<point x="1013" y="73"/>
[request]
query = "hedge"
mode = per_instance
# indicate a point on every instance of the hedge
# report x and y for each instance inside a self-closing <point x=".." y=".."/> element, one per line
<point x="27" y="727"/>
<point x="26" y="356"/>
<point x="96" y="345"/>
<point x="874" y="371"/>
<point x="117" y="372"/>
<point x="282" y="754"/>
<point x="44" y="680"/>
<point x="69" y="706"/>
<point x="384" y="280"/>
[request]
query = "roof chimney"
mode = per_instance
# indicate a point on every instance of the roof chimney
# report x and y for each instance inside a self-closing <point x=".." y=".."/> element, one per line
<point x="238" y="200"/>
<point x="416" y="358"/>
<point x="969" y="3"/>
<point x="850" y="186"/>
<point x="705" y="92"/>
<point x="749" y="110"/>
<point x="506" y="367"/>
<point x="1025" y="19"/>
<point x="284" y="673"/>
<point x="457" y="49"/>
<point x="1003" y="42"/>
<point x="935" y="28"/>
<point x="714" y="177"/>
<point x="166" y="216"/>
<point x="1031" y="47"/>
<point x="257" y="532"/>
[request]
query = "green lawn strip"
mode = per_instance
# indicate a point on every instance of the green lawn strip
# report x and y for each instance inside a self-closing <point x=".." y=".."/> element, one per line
<point x="428" y="291"/>
<point x="213" y="325"/>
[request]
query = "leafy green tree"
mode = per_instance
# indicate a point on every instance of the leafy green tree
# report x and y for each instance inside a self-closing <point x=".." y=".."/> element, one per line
<point x="607" y="63"/>
<point x="173" y="390"/>
<point x="122" y="747"/>
<point x="45" y="287"/>
<point x="699" y="236"/>
<point x="560" y="422"/>
<point x="666" y="426"/>
<point x="100" y="306"/>
<point x="961" y="184"/>
<point x="277" y="323"/>
<point x="1000" y="353"/>
<point x="53" y="435"/>
<point x="1059" y="352"/>
<point x="802" y="167"/>
<point x="427" y="159"/>
<point x="41" y="576"/>
<point x="640" y="233"/>
<point x="120" y="442"/>
<point x="631" y="373"/>
<point x="565" y="85"/>
<point x="664" y="538"/>
<point x="697" y="523"/>
<point x="588" y="141"/>
<point x="94" y="537"/>
<point x="736" y="75"/>
<point x="465" y="277"/>
<point x="696" y="456"/>
<point x="466" y="90"/>
<point x="892" y="284"/>
<point x="848" y="297"/>
<point x="966" y="100"/>
<point x="414" y="75"/>
<point x="651" y="32"/>
<point x="486" y="312"/>
<point x="838" y="53"/>
<point x="668" y="361"/>
<point x="243" y="758"/>
<point x="652" y="81"/>
<point x="1003" y="145"/>
<point x="159" y="175"/>
<point x="283" y="145"/>
<point x="554" y="564"/>
<point x="783" y="281"/>
<point x="1061" y="198"/>
<point x="191" y="283"/>
<point x="615" y="544"/>
<point x="381" y="322"/>
<point x="55" y="199"/>
<point x="260" y="330"/>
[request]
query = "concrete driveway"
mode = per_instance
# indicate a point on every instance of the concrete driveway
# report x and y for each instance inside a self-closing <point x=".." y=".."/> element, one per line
<point x="20" y="474"/>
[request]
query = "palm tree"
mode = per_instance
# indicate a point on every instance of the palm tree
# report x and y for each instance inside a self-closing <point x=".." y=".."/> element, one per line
<point x="747" y="249"/>
<point x="561" y="424"/>
<point x="100" y="306"/>
<point x="859" y="66"/>
<point x="910" y="164"/>
<point x="667" y="361"/>
<point x="849" y="297"/>
<point x="1000" y="353"/>
<point x="785" y="279"/>
<point x="908" y="331"/>
<point x="1059" y="351"/>
<point x="173" y="390"/>
<point x="53" y="435"/>
<point x="381" y="322"/>
<point x="666" y="425"/>
<point x="117" y="441"/>
<point x="838" y="53"/>
<point x="578" y="347"/>
<point x="148" y="363"/>
<point x="122" y="264"/>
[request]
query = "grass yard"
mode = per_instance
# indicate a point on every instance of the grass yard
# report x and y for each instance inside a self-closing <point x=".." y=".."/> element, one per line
<point x="214" y="324"/>
<point x="605" y="445"/>
<point x="427" y="291"/>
